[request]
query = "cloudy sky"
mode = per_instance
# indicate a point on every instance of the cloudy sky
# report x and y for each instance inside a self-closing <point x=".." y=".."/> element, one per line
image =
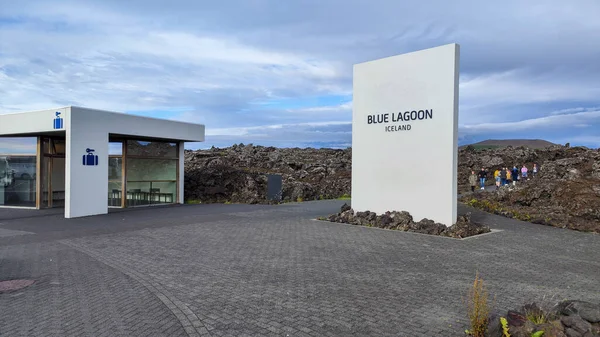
<point x="279" y="72"/>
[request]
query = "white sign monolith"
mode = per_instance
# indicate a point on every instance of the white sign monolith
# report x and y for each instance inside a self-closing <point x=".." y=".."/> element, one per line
<point x="404" y="134"/>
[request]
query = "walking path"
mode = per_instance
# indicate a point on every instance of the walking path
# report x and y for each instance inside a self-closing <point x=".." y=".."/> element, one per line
<point x="243" y="270"/>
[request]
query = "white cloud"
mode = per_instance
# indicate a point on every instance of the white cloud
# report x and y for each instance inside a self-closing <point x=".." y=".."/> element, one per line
<point x="216" y="60"/>
<point x="561" y="121"/>
<point x="519" y="86"/>
<point x="573" y="110"/>
<point x="242" y="131"/>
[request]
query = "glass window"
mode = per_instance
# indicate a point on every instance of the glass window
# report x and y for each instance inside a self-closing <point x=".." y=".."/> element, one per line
<point x="53" y="146"/>
<point x="115" y="168"/>
<point x="151" y="192"/>
<point x="18" y="163"/>
<point x="18" y="145"/>
<point x="143" y="169"/>
<point x="115" y="184"/>
<point x="18" y="180"/>
<point x="59" y="146"/>
<point x="151" y="181"/>
<point x="151" y="172"/>
<point x="151" y="149"/>
<point x="115" y="192"/>
<point x="115" y="148"/>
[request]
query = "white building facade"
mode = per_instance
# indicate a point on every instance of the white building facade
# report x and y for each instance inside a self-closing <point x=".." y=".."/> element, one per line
<point x="88" y="160"/>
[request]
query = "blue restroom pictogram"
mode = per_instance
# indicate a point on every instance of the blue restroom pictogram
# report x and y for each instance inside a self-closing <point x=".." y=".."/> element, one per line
<point x="90" y="159"/>
<point x="58" y="121"/>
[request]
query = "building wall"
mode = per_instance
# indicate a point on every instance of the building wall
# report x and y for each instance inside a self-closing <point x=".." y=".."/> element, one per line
<point x="131" y="125"/>
<point x="407" y="165"/>
<point x="86" y="186"/>
<point x="31" y="122"/>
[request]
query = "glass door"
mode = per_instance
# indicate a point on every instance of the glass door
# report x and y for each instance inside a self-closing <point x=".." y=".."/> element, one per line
<point x="115" y="174"/>
<point x="115" y="181"/>
<point x="53" y="173"/>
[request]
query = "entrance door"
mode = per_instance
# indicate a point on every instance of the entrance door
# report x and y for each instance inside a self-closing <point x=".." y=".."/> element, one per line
<point x="53" y="173"/>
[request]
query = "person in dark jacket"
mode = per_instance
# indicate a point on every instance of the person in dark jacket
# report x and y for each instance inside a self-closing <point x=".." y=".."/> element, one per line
<point x="503" y="176"/>
<point x="482" y="176"/>
<point x="515" y="174"/>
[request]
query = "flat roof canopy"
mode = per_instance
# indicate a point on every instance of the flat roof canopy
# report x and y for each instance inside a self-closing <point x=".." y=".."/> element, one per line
<point x="62" y="121"/>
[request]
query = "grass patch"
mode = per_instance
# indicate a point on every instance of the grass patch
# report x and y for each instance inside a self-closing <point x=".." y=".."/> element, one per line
<point x="496" y="208"/>
<point x="193" y="202"/>
<point x="344" y="197"/>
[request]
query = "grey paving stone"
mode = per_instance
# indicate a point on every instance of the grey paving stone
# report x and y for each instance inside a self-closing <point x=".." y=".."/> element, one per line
<point x="75" y="295"/>
<point x="234" y="270"/>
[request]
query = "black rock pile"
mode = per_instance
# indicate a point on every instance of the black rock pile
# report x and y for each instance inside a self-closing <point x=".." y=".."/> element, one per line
<point x="565" y="193"/>
<point x="239" y="173"/>
<point x="403" y="221"/>
<point x="566" y="319"/>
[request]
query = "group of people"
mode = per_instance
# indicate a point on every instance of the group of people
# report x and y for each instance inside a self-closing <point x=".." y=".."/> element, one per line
<point x="503" y="176"/>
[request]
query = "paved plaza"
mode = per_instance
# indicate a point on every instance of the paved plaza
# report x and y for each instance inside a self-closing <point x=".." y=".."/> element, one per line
<point x="255" y="270"/>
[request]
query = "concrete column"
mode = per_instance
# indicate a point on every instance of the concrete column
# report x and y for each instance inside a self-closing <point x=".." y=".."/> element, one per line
<point x="86" y="188"/>
<point x="181" y="171"/>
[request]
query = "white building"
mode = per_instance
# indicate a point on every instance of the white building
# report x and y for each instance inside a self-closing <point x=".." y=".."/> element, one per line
<point x="88" y="160"/>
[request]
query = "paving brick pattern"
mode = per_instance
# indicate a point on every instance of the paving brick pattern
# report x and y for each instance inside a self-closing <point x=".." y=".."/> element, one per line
<point x="75" y="295"/>
<point x="234" y="270"/>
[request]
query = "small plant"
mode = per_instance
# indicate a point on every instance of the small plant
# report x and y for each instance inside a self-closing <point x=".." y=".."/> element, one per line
<point x="522" y="216"/>
<point x="344" y="197"/>
<point x="504" y="322"/>
<point x="537" y="317"/>
<point x="478" y="308"/>
<point x="193" y="202"/>
<point x="227" y="202"/>
<point x="538" y="334"/>
<point x="299" y="199"/>
<point x="535" y="314"/>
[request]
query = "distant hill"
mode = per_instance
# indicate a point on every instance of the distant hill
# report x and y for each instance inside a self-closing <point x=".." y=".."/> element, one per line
<point x="500" y="143"/>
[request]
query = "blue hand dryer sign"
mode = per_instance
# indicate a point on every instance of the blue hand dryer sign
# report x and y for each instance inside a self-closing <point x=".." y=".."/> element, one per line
<point x="90" y="159"/>
<point x="58" y="121"/>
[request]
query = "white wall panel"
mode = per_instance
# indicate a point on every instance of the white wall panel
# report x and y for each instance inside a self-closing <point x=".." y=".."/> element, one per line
<point x="31" y="122"/>
<point x="404" y="134"/>
<point x="87" y="185"/>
